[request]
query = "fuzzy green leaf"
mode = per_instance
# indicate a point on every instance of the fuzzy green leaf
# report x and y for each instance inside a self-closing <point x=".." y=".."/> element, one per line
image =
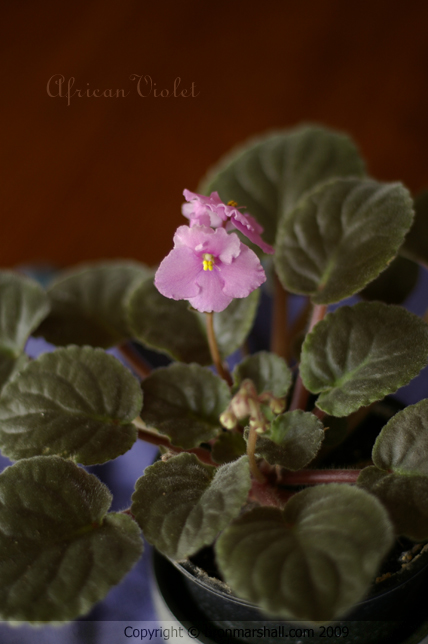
<point x="311" y="561"/>
<point x="184" y="402"/>
<point x="400" y="476"/>
<point x="269" y="174"/>
<point x="341" y="236"/>
<point x="76" y="402"/>
<point x="359" y="354"/>
<point x="292" y="441"/>
<point x="59" y="551"/>
<point x="88" y="304"/>
<point x="402" y="445"/>
<point x="395" y="283"/>
<point x="167" y="325"/>
<point x="405" y="497"/>
<point x="10" y="366"/>
<point x="228" y="447"/>
<point x="24" y="305"/>
<point x="268" y="372"/>
<point x="416" y="246"/>
<point x="173" y="328"/>
<point x="182" y="504"/>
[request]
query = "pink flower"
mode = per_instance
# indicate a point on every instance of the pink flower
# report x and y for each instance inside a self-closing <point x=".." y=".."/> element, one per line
<point x="211" y="211"/>
<point x="209" y="268"/>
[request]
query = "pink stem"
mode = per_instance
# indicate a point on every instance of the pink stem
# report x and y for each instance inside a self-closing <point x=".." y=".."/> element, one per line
<point x="300" y="393"/>
<point x="313" y="477"/>
<point x="136" y="363"/>
<point x="155" y="439"/>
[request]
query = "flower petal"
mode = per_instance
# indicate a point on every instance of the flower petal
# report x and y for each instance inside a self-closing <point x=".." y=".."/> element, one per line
<point x="243" y="275"/>
<point x="177" y="274"/>
<point x="252" y="235"/>
<point x="203" y="210"/>
<point x="223" y="246"/>
<point x="193" y="237"/>
<point x="211" y="296"/>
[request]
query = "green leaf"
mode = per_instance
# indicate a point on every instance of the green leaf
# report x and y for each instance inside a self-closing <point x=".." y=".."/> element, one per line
<point x="10" y="366"/>
<point x="311" y="561"/>
<point x="182" y="504"/>
<point x="228" y="447"/>
<point x="341" y="236"/>
<point x="359" y="354"/>
<point x="167" y="325"/>
<point x="402" y="445"/>
<point x="76" y="402"/>
<point x="416" y="246"/>
<point x="88" y="304"/>
<point x="395" y="284"/>
<point x="292" y="441"/>
<point x="185" y="402"/>
<point x="173" y="328"/>
<point x="233" y="325"/>
<point x="405" y="497"/>
<point x="59" y="550"/>
<point x="268" y="372"/>
<point x="24" y="304"/>
<point x="269" y="174"/>
<point x="400" y="476"/>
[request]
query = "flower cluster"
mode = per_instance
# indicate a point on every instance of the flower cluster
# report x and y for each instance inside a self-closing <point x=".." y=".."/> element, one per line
<point x="210" y="266"/>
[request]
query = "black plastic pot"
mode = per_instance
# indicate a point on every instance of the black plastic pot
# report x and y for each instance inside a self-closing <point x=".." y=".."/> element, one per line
<point x="396" y="612"/>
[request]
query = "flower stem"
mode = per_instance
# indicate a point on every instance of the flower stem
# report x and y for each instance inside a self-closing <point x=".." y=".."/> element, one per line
<point x="136" y="363"/>
<point x="300" y="393"/>
<point x="279" y="336"/>
<point x="215" y="353"/>
<point x="156" y="439"/>
<point x="313" y="477"/>
<point x="251" y="448"/>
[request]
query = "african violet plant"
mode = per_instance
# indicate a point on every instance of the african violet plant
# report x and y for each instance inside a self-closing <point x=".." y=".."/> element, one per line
<point x="237" y="448"/>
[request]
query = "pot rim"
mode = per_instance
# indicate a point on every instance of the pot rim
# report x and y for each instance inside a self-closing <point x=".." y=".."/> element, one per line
<point x="417" y="566"/>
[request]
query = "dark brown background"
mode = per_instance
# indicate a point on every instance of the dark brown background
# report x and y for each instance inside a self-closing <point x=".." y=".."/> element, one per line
<point x="103" y="177"/>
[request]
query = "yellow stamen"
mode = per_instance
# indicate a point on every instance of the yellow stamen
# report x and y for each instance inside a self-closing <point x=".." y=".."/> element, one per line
<point x="232" y="203"/>
<point x="207" y="261"/>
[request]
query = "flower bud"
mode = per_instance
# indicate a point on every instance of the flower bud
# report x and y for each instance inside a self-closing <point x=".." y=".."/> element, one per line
<point x="228" y="419"/>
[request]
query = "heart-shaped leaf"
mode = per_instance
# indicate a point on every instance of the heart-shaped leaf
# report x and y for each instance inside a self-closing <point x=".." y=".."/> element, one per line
<point x="268" y="372"/>
<point x="269" y="174"/>
<point x="359" y="354"/>
<point x="182" y="504"/>
<point x="395" y="284"/>
<point x="415" y="246"/>
<point x="59" y="550"/>
<point x="400" y="476"/>
<point x="24" y="305"/>
<point x="167" y="325"/>
<point x="311" y="561"/>
<point x="228" y="447"/>
<point x="405" y="497"/>
<point x="88" y="304"/>
<point x="76" y="402"/>
<point x="185" y="402"/>
<point x="341" y="236"/>
<point x="292" y="441"/>
<point x="402" y="445"/>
